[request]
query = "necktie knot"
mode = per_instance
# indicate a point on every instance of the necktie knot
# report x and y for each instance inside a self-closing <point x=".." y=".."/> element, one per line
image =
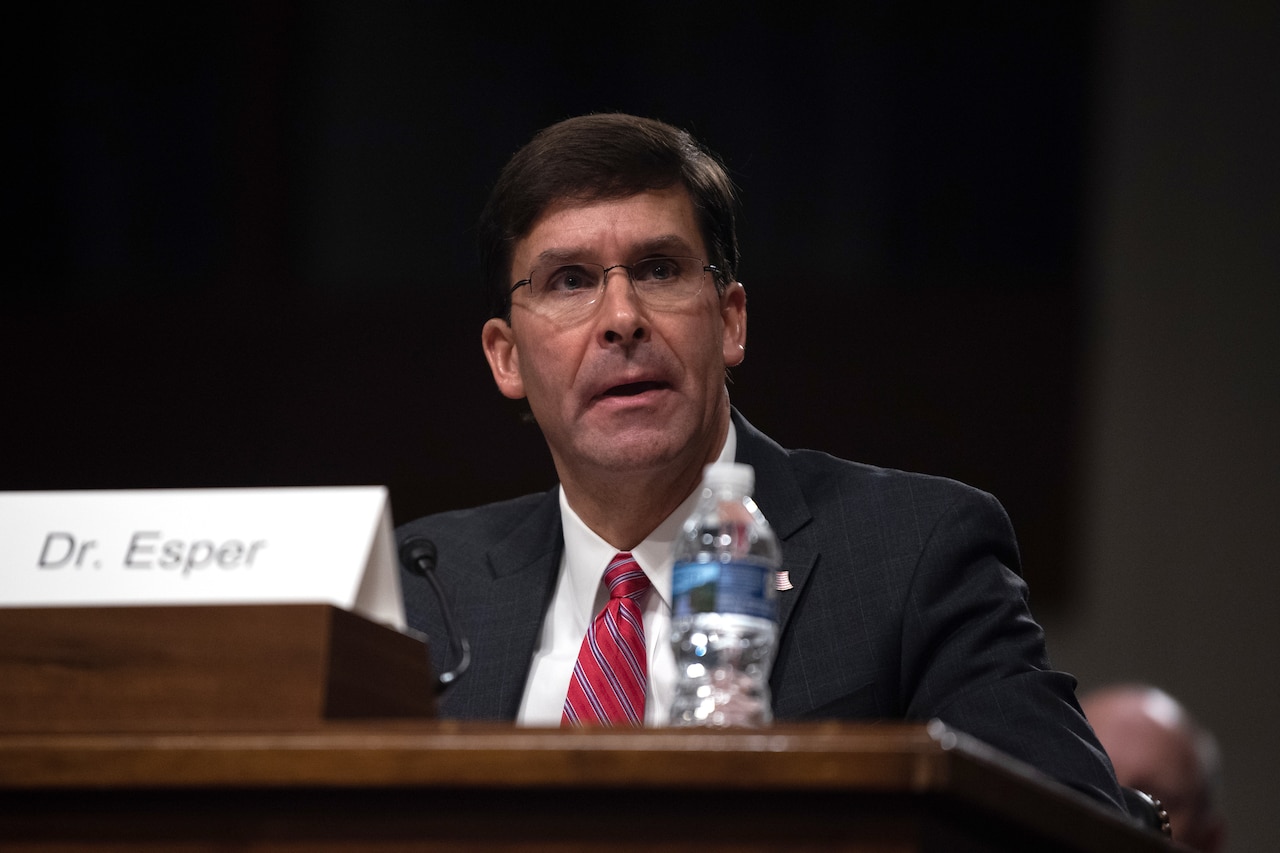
<point x="625" y="578"/>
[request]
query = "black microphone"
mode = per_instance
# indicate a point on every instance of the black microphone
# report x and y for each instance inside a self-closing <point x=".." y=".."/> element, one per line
<point x="418" y="555"/>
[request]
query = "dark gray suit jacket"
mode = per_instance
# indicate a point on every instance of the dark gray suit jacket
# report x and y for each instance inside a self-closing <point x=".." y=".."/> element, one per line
<point x="906" y="605"/>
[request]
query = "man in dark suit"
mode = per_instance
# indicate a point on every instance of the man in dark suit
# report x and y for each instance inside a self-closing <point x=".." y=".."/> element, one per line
<point x="610" y="247"/>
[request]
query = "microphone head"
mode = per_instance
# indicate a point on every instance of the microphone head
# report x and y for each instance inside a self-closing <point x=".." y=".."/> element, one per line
<point x="418" y="554"/>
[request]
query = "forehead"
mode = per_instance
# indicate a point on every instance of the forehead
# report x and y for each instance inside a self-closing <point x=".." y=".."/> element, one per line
<point x="613" y="230"/>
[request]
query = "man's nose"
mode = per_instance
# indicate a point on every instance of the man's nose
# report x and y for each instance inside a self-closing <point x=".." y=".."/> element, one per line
<point x="621" y="315"/>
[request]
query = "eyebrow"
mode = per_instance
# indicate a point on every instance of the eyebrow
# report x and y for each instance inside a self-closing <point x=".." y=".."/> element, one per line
<point x="667" y="244"/>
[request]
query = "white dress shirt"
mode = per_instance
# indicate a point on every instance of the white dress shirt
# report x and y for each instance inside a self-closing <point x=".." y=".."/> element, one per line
<point x="580" y="594"/>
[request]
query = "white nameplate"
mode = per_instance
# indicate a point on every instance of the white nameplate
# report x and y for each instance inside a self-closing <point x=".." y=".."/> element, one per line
<point x="201" y="546"/>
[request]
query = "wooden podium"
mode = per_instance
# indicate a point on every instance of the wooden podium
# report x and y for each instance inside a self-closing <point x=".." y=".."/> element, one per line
<point x="396" y="784"/>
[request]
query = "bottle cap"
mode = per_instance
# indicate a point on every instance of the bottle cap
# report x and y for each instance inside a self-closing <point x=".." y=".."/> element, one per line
<point x="737" y="474"/>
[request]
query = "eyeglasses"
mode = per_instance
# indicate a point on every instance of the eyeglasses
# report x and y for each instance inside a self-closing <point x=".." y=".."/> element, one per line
<point x="567" y="292"/>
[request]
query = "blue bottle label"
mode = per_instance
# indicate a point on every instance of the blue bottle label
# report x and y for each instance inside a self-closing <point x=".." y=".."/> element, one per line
<point x="744" y="588"/>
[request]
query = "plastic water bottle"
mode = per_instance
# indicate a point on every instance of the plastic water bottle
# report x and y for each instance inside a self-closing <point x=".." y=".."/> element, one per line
<point x="724" y="613"/>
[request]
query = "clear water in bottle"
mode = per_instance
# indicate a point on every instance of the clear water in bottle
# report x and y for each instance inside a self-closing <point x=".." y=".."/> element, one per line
<point x="724" y="605"/>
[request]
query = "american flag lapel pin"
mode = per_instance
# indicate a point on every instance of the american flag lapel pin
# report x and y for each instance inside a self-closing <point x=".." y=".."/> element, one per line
<point x="784" y="582"/>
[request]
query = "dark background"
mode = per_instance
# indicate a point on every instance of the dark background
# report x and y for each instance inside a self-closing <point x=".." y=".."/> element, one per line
<point x="241" y="237"/>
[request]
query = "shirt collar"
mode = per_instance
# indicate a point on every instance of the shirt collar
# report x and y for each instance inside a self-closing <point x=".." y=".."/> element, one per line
<point x="586" y="555"/>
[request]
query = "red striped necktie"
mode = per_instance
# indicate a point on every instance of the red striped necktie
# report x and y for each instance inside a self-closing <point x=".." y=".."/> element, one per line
<point x="609" y="678"/>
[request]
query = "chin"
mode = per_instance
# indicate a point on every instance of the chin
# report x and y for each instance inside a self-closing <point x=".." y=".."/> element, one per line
<point x="633" y="452"/>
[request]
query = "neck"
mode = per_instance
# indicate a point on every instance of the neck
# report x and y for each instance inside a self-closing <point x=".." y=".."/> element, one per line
<point x="624" y="507"/>
<point x="625" y="514"/>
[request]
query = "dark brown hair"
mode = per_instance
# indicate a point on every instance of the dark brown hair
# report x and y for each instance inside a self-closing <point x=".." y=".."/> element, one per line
<point x="595" y="157"/>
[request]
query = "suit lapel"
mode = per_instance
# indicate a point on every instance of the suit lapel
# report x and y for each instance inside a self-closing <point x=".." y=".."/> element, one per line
<point x="521" y="577"/>
<point x="780" y="498"/>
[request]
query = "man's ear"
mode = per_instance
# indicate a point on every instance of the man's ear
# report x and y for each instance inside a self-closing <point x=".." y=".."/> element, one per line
<point x="733" y="311"/>
<point x="504" y="359"/>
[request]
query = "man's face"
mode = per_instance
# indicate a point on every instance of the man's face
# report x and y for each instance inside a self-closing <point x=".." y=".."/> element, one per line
<point x="627" y="388"/>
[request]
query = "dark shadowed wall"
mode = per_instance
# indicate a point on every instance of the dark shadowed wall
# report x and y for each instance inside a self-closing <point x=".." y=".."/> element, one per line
<point x="246" y="252"/>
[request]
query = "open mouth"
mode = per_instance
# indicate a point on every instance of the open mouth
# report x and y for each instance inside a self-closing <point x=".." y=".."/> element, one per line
<point x="631" y="389"/>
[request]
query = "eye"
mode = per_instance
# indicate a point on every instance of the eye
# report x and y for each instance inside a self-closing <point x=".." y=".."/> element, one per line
<point x="569" y="279"/>
<point x="658" y="269"/>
